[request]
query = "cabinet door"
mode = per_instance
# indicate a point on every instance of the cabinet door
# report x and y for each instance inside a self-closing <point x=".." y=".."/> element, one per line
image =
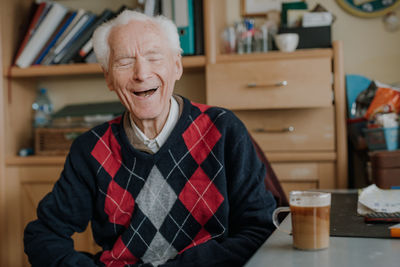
<point x="305" y="175"/>
<point x="283" y="83"/>
<point x="28" y="186"/>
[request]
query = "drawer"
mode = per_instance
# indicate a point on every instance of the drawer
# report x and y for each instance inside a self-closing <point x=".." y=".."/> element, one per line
<point x="298" y="172"/>
<point x="283" y="83"/>
<point x="291" y="129"/>
<point x="318" y="174"/>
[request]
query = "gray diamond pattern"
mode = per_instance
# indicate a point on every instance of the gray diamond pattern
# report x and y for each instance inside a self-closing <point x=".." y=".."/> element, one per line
<point x="159" y="251"/>
<point x="156" y="198"/>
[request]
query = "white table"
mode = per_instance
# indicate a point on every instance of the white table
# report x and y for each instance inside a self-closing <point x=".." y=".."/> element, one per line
<point x="342" y="252"/>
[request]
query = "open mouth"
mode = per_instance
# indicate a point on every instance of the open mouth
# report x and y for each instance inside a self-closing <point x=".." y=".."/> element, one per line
<point x="146" y="93"/>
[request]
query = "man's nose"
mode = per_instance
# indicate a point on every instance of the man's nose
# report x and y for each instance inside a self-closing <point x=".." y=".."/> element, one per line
<point x="141" y="70"/>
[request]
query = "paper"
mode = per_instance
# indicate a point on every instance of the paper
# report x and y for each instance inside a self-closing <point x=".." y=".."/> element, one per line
<point x="373" y="199"/>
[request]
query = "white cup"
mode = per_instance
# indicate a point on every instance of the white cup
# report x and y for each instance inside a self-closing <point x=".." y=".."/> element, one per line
<point x="287" y="42"/>
<point x="310" y="213"/>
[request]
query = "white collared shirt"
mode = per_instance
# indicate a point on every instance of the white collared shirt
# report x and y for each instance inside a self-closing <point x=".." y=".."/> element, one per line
<point x="155" y="144"/>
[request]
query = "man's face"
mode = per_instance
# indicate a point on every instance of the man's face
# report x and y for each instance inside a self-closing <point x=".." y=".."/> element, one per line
<point x="142" y="69"/>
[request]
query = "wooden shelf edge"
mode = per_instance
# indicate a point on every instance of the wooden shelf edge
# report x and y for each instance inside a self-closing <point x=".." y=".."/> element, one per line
<point x="270" y="55"/>
<point x="35" y="161"/>
<point x="300" y="156"/>
<point x="189" y="62"/>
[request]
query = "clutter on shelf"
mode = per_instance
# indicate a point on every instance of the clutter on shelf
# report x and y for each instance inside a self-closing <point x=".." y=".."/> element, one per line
<point x="68" y="123"/>
<point x="299" y="26"/>
<point x="375" y="115"/>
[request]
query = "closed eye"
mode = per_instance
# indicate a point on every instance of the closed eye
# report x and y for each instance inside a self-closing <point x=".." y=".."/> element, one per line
<point x="123" y="62"/>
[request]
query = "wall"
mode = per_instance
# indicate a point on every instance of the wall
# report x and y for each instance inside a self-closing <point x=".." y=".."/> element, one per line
<point x="368" y="49"/>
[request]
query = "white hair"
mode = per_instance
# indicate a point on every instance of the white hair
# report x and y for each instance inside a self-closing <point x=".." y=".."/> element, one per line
<point x="100" y="36"/>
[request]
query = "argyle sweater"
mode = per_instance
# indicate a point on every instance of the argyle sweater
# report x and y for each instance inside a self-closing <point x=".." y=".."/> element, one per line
<point x="199" y="201"/>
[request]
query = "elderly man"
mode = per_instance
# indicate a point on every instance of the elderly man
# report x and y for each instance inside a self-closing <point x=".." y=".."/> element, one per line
<point x="169" y="183"/>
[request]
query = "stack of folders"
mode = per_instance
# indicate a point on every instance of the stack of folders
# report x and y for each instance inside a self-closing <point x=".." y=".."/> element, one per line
<point x="188" y="17"/>
<point x="58" y="35"/>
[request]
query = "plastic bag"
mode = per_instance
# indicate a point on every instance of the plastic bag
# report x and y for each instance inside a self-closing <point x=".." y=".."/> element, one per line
<point x="363" y="100"/>
<point x="386" y="100"/>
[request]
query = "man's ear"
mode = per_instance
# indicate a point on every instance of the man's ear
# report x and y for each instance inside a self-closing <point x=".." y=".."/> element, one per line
<point x="179" y="67"/>
<point x="107" y="76"/>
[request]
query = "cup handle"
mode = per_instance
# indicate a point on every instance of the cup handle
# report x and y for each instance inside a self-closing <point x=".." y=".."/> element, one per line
<point x="275" y="218"/>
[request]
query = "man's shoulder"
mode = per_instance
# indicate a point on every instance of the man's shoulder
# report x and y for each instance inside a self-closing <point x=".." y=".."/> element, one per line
<point x="224" y="119"/>
<point x="100" y="132"/>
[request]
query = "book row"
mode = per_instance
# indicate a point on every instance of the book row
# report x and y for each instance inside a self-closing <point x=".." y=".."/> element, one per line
<point x="58" y="35"/>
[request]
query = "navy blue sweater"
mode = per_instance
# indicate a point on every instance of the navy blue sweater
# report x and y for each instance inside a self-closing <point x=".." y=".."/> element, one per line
<point x="199" y="201"/>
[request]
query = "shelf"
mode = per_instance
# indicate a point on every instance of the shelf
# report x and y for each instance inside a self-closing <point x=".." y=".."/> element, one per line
<point x="270" y="55"/>
<point x="35" y="160"/>
<point x="189" y="63"/>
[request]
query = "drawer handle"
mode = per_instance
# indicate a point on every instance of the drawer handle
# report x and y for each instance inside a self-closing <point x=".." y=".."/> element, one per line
<point x="282" y="130"/>
<point x="278" y="84"/>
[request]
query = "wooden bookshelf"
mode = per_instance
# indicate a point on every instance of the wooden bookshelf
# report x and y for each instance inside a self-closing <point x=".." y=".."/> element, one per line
<point x="189" y="63"/>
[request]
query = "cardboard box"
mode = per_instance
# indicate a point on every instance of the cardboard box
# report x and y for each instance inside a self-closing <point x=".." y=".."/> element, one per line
<point x="386" y="168"/>
<point x="311" y="37"/>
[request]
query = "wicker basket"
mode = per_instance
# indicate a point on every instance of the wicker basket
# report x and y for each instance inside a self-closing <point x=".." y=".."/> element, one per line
<point x="55" y="141"/>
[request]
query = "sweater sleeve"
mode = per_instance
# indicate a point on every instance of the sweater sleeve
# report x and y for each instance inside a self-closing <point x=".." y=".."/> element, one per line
<point x="251" y="207"/>
<point x="65" y="210"/>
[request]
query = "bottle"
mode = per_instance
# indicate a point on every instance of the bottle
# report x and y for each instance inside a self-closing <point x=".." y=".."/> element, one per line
<point x="43" y="109"/>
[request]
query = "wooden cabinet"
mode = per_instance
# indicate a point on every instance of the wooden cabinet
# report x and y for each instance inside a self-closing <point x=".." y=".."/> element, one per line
<point x="285" y="99"/>
<point x="293" y="106"/>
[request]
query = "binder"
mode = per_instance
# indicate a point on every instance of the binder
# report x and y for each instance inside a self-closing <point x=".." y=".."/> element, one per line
<point x="183" y="17"/>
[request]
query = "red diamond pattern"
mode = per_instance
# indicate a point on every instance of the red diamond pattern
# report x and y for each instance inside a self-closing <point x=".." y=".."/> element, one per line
<point x="200" y="137"/>
<point x="202" y="107"/>
<point x="201" y="237"/>
<point x="107" y="152"/>
<point x="116" y="120"/>
<point x="197" y="187"/>
<point x="119" y="256"/>
<point x="119" y="204"/>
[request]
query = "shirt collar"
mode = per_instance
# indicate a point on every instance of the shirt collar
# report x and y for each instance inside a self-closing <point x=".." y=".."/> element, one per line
<point x="155" y="144"/>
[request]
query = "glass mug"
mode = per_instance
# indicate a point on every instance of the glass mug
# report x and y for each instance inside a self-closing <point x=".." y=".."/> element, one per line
<point x="310" y="212"/>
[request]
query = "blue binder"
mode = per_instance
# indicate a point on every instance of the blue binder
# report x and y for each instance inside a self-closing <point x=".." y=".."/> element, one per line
<point x="184" y="20"/>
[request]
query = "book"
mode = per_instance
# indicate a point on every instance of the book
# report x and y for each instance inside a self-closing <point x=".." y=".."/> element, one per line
<point x="38" y="10"/>
<point x="87" y="48"/>
<point x="53" y="39"/>
<point x="60" y="42"/>
<point x="81" y="26"/>
<point x="91" y="57"/>
<point x="46" y="28"/>
<point x="85" y="36"/>
<point x="198" y="27"/>
<point x="166" y="9"/>
<point x="149" y="7"/>
<point x="87" y="114"/>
